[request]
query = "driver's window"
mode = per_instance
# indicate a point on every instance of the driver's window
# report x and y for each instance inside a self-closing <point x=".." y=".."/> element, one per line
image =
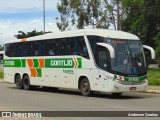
<point x="102" y="58"/>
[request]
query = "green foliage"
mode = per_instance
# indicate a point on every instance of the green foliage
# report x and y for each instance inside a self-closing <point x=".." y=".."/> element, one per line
<point x="81" y="13"/>
<point x="1" y="48"/>
<point x="142" y="19"/>
<point x="95" y="13"/>
<point x="154" y="77"/>
<point x="1" y="74"/>
<point x="157" y="41"/>
<point x="22" y="34"/>
<point x="154" y="82"/>
<point x="158" y="53"/>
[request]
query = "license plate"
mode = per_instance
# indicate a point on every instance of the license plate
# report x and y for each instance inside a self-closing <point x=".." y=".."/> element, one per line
<point x="132" y="88"/>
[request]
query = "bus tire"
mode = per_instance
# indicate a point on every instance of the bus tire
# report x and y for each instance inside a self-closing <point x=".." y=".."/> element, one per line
<point x="85" y="87"/>
<point x="18" y="81"/>
<point x="26" y="82"/>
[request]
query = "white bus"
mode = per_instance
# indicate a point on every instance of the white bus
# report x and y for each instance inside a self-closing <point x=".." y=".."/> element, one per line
<point x="89" y="60"/>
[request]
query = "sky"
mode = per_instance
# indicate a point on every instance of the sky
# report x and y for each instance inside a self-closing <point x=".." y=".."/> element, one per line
<point x="26" y="15"/>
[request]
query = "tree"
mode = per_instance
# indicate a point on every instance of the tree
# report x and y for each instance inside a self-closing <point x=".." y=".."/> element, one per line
<point x="1" y="48"/>
<point x="93" y="13"/>
<point x="116" y="12"/>
<point x="142" y="19"/>
<point x="157" y="41"/>
<point x="22" y="34"/>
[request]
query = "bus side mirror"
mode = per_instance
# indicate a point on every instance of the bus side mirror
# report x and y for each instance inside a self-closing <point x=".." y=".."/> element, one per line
<point x="109" y="47"/>
<point x="151" y="49"/>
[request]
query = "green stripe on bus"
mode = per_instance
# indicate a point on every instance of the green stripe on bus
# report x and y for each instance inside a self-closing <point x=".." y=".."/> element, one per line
<point x="135" y="78"/>
<point x="63" y="63"/>
<point x="23" y="61"/>
<point x="15" y="63"/>
<point x="39" y="72"/>
<point x="49" y="63"/>
<point x="131" y="78"/>
<point x="36" y="63"/>
<point x="79" y="62"/>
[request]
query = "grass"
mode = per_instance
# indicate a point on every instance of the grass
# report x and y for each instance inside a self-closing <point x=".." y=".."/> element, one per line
<point x="1" y="74"/>
<point x="154" y="77"/>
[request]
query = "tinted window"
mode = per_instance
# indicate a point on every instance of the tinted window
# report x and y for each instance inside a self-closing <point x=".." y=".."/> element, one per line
<point x="49" y="47"/>
<point x="101" y="54"/>
<point x="1" y="56"/>
<point x="8" y="50"/>
<point x="63" y="46"/>
<point x="79" y="47"/>
<point x="30" y="49"/>
<point x="66" y="46"/>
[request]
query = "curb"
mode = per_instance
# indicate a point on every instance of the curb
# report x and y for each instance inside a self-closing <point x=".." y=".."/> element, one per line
<point x="153" y="91"/>
<point x="2" y="81"/>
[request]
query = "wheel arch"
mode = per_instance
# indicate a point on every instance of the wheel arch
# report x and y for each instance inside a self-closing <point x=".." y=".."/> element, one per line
<point x="25" y="74"/>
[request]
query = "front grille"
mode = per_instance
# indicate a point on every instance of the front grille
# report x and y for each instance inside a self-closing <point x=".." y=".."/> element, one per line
<point x="132" y="83"/>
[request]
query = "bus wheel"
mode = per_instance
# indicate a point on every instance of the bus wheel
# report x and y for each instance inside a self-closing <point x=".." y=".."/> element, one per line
<point x="18" y="82"/>
<point x="116" y="94"/>
<point x="85" y="87"/>
<point x="26" y="83"/>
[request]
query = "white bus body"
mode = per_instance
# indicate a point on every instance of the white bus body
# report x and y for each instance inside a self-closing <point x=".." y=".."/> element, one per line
<point x="89" y="60"/>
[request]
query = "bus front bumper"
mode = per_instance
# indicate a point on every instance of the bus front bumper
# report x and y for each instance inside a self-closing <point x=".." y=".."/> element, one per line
<point x="118" y="87"/>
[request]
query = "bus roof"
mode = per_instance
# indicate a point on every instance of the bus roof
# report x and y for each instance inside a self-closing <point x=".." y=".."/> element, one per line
<point x="95" y="32"/>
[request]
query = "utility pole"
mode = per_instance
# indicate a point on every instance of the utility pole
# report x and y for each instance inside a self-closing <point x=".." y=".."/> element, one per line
<point x="44" y="17"/>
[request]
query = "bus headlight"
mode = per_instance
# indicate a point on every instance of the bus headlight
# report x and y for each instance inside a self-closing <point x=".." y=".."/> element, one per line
<point x="116" y="80"/>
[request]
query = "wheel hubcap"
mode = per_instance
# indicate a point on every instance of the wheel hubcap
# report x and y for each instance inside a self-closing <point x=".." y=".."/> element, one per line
<point x="26" y="82"/>
<point x="85" y="87"/>
<point x="18" y="82"/>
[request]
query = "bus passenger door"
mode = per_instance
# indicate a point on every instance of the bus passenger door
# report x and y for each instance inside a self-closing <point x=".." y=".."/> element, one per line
<point x="102" y="61"/>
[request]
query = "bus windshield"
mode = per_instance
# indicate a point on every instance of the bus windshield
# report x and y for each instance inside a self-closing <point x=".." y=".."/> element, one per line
<point x="129" y="57"/>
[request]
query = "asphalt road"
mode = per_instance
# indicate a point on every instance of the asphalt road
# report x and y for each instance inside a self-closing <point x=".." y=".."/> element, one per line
<point x="39" y="99"/>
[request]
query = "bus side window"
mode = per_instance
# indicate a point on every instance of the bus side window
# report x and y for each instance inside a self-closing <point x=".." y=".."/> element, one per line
<point x="69" y="46"/>
<point x="80" y="47"/>
<point x="57" y="47"/>
<point x="15" y="51"/>
<point x="75" y="46"/>
<point x="22" y="49"/>
<point x="8" y="49"/>
<point x="50" y="47"/>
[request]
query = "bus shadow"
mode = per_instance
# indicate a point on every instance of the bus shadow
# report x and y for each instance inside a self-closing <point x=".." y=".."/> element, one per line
<point x="94" y="95"/>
